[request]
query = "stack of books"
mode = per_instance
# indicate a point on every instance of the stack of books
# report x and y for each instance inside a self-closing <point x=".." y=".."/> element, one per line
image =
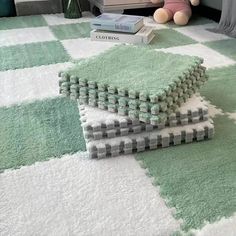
<point x="121" y="28"/>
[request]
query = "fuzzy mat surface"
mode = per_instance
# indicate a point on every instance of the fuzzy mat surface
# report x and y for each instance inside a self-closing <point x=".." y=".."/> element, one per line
<point x="49" y="186"/>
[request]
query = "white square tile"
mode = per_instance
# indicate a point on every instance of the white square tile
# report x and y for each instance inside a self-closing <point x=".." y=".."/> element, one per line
<point x="211" y="57"/>
<point x="59" y="19"/>
<point x="25" y="35"/>
<point x="25" y="85"/>
<point x="84" y="48"/>
<point x="200" y="33"/>
<point x="75" y="195"/>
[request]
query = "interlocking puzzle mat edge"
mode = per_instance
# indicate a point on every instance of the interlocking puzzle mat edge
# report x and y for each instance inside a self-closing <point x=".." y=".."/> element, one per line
<point x="74" y="89"/>
<point x="150" y="140"/>
<point x="146" y="117"/>
<point x="157" y="91"/>
<point x="98" y="124"/>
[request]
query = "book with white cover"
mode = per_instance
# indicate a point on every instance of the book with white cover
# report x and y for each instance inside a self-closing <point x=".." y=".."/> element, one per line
<point x="144" y="35"/>
<point x="117" y="22"/>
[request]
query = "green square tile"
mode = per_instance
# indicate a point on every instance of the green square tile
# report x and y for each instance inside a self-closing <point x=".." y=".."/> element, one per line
<point x="220" y="89"/>
<point x="22" y="22"/>
<point x="166" y="38"/>
<point x="34" y="54"/>
<point x="71" y="31"/>
<point x="222" y="73"/>
<point x="39" y="131"/>
<point x="198" y="179"/>
<point x="139" y="71"/>
<point x="226" y="47"/>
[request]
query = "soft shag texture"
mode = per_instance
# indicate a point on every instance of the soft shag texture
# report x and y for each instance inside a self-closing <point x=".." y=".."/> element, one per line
<point x="34" y="54"/>
<point x="148" y="85"/>
<point x="199" y="179"/>
<point x="58" y="191"/>
<point x="135" y="69"/>
<point x="82" y="197"/>
<point x="22" y="22"/>
<point x="30" y="84"/>
<point x="222" y="73"/>
<point x="221" y="92"/>
<point x="39" y="131"/>
<point x="226" y="47"/>
<point x="166" y="38"/>
<point x="72" y="31"/>
<point x="152" y="112"/>
<point x="225" y="226"/>
<point x="150" y="140"/>
<point x="24" y="36"/>
<point x="201" y="33"/>
<point x="98" y="123"/>
<point x="212" y="58"/>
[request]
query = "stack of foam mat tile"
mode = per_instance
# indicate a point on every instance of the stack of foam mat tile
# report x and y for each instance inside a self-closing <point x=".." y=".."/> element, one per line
<point x="133" y="99"/>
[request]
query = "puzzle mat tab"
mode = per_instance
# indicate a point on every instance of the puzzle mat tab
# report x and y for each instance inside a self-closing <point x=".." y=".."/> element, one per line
<point x="74" y="89"/>
<point x="151" y="74"/>
<point x="133" y="114"/>
<point x="98" y="124"/>
<point x="150" y="140"/>
<point x="146" y="117"/>
<point x="70" y="85"/>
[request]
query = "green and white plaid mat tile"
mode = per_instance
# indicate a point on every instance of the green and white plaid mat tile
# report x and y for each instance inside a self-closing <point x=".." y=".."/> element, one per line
<point x="189" y="188"/>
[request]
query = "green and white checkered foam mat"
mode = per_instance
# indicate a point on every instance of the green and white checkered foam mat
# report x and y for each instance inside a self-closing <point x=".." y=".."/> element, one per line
<point x="49" y="186"/>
